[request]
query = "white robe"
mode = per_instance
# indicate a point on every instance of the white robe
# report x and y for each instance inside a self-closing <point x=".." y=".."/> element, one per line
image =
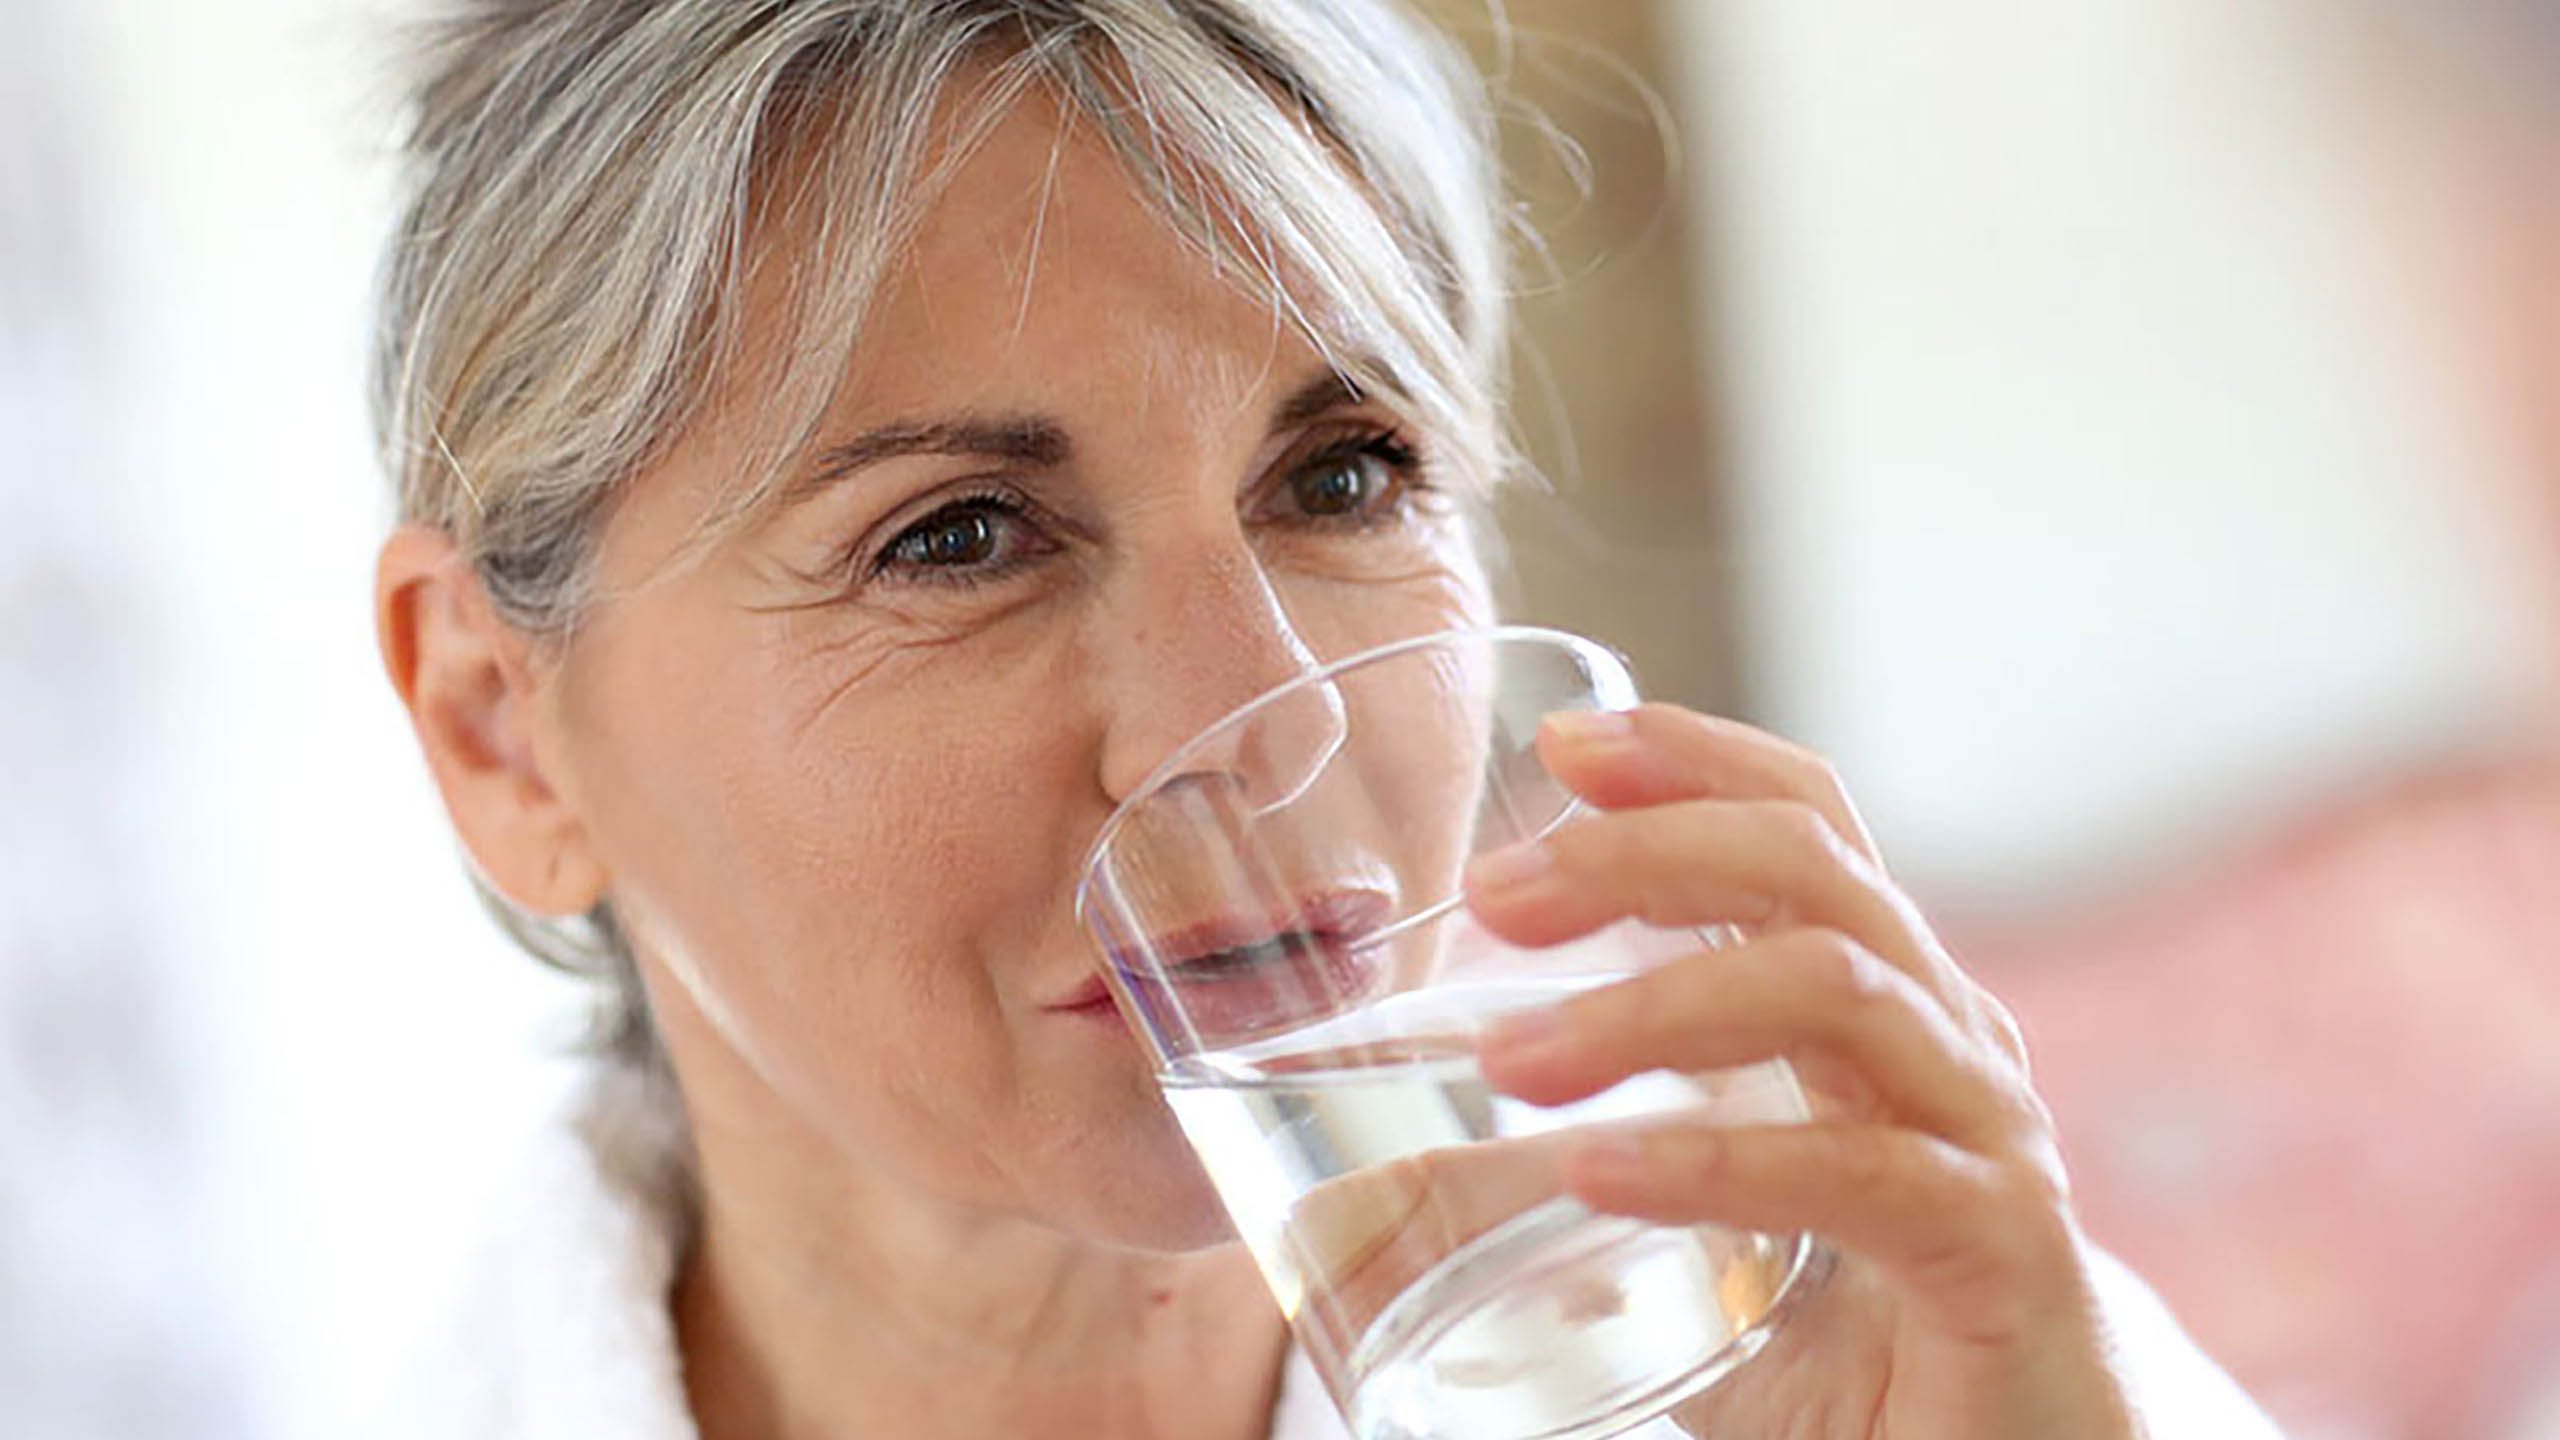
<point x="564" y="1329"/>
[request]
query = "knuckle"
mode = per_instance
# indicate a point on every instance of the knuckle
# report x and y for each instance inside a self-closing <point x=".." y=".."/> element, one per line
<point x="1997" y="1263"/>
<point x="1801" y="832"/>
<point x="1845" y="976"/>
<point x="2042" y="1130"/>
<point x="1818" y="777"/>
<point x="1998" y="1252"/>
<point x="2036" y="1241"/>
<point x="2002" y="1023"/>
<point x="2022" y="1124"/>
<point x="2039" y="1184"/>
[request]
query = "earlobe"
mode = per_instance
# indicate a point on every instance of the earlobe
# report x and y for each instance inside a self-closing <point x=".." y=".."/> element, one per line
<point x="473" y="691"/>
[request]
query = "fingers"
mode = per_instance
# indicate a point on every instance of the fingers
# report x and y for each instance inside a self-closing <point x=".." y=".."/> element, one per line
<point x="1711" y="822"/>
<point x="1655" y="754"/>
<point x="1759" y="864"/>
<point x="1940" y="1169"/>
<point x="1804" y="992"/>
<point x="1987" y="1248"/>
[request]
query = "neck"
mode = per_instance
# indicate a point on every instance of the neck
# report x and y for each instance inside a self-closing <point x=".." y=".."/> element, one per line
<point x="821" y="1298"/>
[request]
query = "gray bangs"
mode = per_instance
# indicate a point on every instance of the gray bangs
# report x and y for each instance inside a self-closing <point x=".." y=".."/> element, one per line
<point x="1359" y="249"/>
<point x="1329" y="156"/>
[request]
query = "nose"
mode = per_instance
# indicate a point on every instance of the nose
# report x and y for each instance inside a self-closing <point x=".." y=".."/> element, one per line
<point x="1193" y="640"/>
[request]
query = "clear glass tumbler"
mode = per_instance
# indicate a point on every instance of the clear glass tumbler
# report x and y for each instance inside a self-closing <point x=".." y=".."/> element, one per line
<point x="1280" y="917"/>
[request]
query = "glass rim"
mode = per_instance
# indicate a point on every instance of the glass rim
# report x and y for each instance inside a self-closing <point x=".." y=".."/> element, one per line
<point x="1325" y="674"/>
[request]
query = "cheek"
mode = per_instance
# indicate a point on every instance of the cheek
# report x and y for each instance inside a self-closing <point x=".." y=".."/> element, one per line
<point x="1423" y="758"/>
<point x="1417" y="747"/>
<point x="1440" y="586"/>
<point x="838" y="870"/>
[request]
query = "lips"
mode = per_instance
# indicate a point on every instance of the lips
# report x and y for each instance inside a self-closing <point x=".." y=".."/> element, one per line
<point x="1230" y="976"/>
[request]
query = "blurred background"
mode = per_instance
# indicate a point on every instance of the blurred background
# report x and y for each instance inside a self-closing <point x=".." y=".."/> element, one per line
<point x="2123" y="434"/>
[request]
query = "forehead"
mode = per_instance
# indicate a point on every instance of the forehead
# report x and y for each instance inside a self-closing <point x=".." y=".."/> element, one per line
<point x="1040" y="277"/>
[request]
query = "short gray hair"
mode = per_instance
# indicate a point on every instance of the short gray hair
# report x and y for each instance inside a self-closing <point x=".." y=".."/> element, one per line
<point x="563" y="290"/>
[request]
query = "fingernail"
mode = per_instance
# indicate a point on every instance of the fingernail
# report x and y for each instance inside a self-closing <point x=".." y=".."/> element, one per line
<point x="1510" y="867"/>
<point x="1593" y="729"/>
<point x="1526" y="1035"/>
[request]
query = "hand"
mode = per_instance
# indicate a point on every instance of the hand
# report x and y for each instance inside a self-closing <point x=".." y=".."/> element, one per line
<point x="1962" y="1305"/>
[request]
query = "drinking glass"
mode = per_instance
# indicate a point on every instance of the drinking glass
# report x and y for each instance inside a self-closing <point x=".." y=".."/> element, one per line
<point x="1279" y="913"/>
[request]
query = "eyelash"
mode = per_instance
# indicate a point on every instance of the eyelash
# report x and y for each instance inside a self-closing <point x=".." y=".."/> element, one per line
<point x="1007" y="507"/>
<point x="1405" y="478"/>
<point x="1389" y="447"/>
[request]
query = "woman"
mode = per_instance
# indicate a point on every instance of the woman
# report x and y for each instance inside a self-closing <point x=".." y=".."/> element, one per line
<point x="842" y="446"/>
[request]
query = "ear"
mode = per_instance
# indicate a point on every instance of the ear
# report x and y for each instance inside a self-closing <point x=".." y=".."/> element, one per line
<point x="472" y="692"/>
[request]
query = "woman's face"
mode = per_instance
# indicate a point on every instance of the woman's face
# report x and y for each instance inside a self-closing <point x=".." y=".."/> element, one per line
<point x="1079" y="497"/>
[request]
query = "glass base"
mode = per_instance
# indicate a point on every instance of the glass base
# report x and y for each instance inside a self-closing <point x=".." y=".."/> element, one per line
<point x="1563" y="1324"/>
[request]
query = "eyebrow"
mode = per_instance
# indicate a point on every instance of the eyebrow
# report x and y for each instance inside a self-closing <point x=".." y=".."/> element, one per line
<point x="1030" y="440"/>
<point x="1332" y="390"/>
<point x="1023" y="439"/>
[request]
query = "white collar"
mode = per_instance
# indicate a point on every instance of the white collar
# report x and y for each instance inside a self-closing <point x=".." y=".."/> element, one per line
<point x="563" y="1328"/>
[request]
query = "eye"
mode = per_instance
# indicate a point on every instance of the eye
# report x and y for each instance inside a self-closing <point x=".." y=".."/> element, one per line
<point x="1341" y="486"/>
<point x="955" y="537"/>
<point x="1361" y="480"/>
<point x="975" y="538"/>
